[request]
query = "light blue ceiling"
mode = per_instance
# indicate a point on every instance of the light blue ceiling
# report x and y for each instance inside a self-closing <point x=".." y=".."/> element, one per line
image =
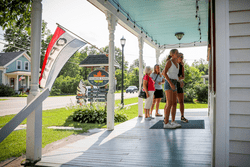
<point x="161" y="19"/>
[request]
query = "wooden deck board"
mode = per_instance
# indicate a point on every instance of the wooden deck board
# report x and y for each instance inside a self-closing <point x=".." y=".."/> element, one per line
<point x="132" y="143"/>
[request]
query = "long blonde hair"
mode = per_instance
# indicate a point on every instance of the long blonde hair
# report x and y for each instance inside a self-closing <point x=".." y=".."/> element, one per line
<point x="171" y="53"/>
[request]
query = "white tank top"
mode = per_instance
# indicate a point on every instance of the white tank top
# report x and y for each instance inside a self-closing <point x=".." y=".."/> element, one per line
<point x="173" y="71"/>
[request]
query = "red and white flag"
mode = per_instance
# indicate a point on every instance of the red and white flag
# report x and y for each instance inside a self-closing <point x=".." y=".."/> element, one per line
<point x="61" y="47"/>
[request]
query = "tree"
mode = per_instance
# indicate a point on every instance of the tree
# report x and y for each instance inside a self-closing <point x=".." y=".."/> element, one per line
<point x="118" y="56"/>
<point x="18" y="39"/>
<point x="134" y="77"/>
<point x="135" y="64"/>
<point x="202" y="65"/>
<point x="15" y="12"/>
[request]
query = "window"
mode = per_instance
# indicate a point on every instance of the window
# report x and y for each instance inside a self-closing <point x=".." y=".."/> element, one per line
<point x="19" y="65"/>
<point x="26" y="65"/>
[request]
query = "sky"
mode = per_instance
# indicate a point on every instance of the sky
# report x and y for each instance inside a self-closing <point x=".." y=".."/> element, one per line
<point x="88" y="22"/>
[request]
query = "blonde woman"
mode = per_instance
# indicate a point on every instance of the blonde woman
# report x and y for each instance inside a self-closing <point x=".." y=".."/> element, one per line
<point x="171" y="75"/>
<point x="158" y="94"/>
<point x="149" y="88"/>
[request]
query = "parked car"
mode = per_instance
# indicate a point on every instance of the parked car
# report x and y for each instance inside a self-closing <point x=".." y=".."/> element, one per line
<point x="132" y="89"/>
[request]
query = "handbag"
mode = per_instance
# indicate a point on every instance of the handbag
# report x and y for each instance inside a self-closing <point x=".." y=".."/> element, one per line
<point x="142" y="93"/>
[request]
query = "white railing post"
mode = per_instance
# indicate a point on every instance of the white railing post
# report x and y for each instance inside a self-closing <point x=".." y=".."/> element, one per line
<point x="140" y="100"/>
<point x="112" y="22"/>
<point x="34" y="120"/>
<point x="157" y="55"/>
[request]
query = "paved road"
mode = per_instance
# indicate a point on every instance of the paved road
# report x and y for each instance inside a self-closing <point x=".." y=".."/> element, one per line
<point x="15" y="104"/>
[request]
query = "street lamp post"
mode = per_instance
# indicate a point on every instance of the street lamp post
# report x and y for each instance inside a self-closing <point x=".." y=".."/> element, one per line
<point x="123" y="41"/>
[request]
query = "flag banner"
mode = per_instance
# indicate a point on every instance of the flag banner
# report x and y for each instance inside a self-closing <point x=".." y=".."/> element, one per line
<point x="21" y="78"/>
<point x="61" y="48"/>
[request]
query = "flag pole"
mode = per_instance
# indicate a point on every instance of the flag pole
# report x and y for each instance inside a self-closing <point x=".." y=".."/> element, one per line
<point x="80" y="38"/>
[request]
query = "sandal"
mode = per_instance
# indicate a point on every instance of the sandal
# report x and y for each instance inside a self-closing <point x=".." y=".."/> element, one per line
<point x="158" y="115"/>
<point x="183" y="119"/>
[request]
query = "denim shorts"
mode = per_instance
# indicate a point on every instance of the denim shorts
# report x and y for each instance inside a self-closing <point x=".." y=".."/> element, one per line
<point x="168" y="87"/>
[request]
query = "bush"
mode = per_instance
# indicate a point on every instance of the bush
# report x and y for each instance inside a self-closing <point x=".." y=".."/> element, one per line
<point x="189" y="95"/>
<point x="55" y="91"/>
<point x="95" y="116"/>
<point x="202" y="92"/>
<point x="6" y="90"/>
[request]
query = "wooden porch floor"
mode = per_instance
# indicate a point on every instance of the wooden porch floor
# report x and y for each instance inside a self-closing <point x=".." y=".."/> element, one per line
<point x="132" y="143"/>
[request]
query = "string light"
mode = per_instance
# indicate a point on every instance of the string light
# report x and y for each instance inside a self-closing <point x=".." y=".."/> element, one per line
<point x="197" y="16"/>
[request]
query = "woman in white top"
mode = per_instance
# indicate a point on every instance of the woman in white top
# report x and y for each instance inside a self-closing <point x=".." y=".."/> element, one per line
<point x="171" y="75"/>
<point x="158" y="94"/>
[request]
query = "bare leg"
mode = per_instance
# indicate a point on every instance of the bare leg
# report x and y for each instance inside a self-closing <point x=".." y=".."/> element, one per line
<point x="169" y="103"/>
<point x="145" y="111"/>
<point x="152" y="107"/>
<point x="180" y="97"/>
<point x="174" y="104"/>
<point x="157" y="105"/>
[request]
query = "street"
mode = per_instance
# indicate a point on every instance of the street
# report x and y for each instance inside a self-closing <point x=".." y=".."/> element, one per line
<point x="15" y="104"/>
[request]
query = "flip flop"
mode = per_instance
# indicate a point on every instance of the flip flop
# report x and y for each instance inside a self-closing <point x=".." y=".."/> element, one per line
<point x="158" y="115"/>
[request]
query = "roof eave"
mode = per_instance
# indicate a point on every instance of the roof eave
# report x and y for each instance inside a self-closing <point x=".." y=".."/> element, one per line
<point x="122" y="20"/>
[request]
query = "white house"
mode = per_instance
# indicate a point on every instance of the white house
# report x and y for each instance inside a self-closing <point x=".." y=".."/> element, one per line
<point x="15" y="70"/>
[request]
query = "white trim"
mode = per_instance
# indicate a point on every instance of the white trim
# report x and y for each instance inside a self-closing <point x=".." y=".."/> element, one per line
<point x="17" y="65"/>
<point x="25" y="66"/>
<point x="222" y="114"/>
<point x="25" y="55"/>
<point x="97" y="65"/>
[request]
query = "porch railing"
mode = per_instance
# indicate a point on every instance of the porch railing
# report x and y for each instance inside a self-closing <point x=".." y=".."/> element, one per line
<point x="24" y="113"/>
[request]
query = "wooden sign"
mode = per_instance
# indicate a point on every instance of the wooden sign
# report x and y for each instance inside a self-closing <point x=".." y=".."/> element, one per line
<point x="98" y="78"/>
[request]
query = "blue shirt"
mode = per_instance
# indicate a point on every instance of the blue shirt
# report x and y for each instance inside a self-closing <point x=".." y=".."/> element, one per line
<point x="158" y="79"/>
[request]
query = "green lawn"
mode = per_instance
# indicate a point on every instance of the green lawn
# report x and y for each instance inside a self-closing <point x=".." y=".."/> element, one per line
<point x="3" y="99"/>
<point x="15" y="144"/>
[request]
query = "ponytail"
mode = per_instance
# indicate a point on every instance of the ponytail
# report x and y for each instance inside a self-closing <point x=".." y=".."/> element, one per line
<point x="169" y="57"/>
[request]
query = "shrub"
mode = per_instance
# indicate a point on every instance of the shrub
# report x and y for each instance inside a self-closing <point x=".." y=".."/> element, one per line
<point x="55" y="91"/>
<point x="201" y="91"/>
<point x="95" y="116"/>
<point x="189" y="95"/>
<point x="6" y="90"/>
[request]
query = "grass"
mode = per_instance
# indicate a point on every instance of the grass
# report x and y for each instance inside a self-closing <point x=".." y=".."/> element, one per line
<point x="3" y="99"/>
<point x="15" y="144"/>
<point x="127" y="101"/>
<point x="187" y="105"/>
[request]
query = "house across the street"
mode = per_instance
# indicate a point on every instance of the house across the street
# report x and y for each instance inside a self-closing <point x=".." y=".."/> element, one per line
<point x="15" y="70"/>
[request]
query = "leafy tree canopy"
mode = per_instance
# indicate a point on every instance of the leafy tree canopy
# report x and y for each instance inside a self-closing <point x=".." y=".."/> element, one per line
<point x="15" y="12"/>
<point x="135" y="64"/>
<point x="202" y="65"/>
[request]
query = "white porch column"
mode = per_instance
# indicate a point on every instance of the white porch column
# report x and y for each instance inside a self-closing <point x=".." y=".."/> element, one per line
<point x="28" y="82"/>
<point x="112" y="22"/>
<point x="140" y="100"/>
<point x="221" y="117"/>
<point x="34" y="120"/>
<point x="16" y="83"/>
<point x="157" y="55"/>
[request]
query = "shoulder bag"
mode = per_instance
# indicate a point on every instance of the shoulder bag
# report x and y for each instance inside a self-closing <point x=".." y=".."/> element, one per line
<point x="142" y="93"/>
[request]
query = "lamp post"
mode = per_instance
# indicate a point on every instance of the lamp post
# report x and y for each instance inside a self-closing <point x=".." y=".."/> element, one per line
<point x="123" y="41"/>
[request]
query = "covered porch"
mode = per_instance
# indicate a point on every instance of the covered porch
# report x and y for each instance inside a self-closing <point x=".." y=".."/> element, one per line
<point x="18" y="80"/>
<point x="133" y="143"/>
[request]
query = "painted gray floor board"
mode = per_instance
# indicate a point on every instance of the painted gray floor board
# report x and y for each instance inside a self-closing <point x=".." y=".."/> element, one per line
<point x="132" y="143"/>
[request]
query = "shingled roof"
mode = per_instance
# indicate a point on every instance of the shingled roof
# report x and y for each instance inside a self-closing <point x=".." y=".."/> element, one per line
<point x="96" y="60"/>
<point x="5" y="58"/>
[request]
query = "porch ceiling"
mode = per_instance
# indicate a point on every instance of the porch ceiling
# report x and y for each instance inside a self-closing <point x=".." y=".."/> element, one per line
<point x="159" y="20"/>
